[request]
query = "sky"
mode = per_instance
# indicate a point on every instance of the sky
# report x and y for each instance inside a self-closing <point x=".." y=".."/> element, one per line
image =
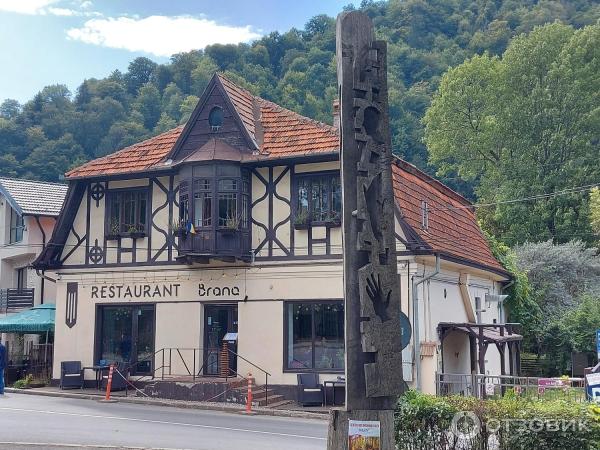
<point x="45" y="42"/>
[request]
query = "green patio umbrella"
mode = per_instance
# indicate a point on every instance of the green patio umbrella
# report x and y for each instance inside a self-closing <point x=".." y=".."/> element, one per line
<point x="39" y="319"/>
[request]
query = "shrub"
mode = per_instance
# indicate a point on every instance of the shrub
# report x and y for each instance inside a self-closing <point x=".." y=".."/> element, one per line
<point x="424" y="422"/>
<point x="23" y="383"/>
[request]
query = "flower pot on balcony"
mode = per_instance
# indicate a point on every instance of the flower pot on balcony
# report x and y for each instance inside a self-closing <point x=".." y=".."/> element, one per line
<point x="333" y="223"/>
<point x="228" y="231"/>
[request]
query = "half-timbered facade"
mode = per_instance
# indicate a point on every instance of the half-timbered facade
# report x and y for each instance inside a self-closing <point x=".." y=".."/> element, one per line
<point x="229" y="228"/>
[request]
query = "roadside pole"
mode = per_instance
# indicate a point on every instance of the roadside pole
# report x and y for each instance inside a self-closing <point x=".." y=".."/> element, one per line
<point x="107" y="398"/>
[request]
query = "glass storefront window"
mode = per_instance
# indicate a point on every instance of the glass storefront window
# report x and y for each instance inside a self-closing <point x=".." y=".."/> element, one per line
<point x="315" y="336"/>
<point x="127" y="335"/>
<point x="116" y="334"/>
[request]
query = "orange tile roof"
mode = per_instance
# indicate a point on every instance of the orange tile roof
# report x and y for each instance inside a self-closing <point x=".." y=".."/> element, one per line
<point x="139" y="157"/>
<point x="452" y="225"/>
<point x="281" y="133"/>
<point x="287" y="133"/>
<point x="284" y="133"/>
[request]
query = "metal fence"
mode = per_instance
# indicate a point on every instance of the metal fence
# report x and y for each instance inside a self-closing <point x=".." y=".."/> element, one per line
<point x="486" y="386"/>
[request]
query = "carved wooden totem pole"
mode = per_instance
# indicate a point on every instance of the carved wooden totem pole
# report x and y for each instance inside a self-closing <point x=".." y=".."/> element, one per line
<point x="371" y="284"/>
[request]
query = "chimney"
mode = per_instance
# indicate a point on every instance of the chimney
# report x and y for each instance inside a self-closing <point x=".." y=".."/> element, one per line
<point x="336" y="114"/>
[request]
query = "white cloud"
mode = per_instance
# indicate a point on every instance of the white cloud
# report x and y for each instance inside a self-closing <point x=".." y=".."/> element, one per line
<point x="25" y="6"/>
<point x="159" y="35"/>
<point x="62" y="12"/>
<point x="42" y="7"/>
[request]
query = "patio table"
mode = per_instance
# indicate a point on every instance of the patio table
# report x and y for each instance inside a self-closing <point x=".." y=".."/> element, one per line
<point x="98" y="371"/>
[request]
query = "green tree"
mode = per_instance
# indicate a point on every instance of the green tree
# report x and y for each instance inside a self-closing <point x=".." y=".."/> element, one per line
<point x="171" y="101"/>
<point x="182" y="65"/>
<point x="595" y="210"/>
<point x="574" y="332"/>
<point x="148" y="104"/>
<point x="139" y="72"/>
<point x="165" y="123"/>
<point x="224" y="55"/>
<point x="9" y="166"/>
<point x="514" y="128"/>
<point x="187" y="107"/>
<point x="201" y="75"/>
<point x="9" y="109"/>
<point x="53" y="158"/>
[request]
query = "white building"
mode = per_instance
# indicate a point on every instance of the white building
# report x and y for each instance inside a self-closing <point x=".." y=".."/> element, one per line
<point x="231" y="224"/>
<point x="28" y="214"/>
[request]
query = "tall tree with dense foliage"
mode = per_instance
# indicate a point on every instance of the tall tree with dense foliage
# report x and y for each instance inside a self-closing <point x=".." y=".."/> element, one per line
<point x="525" y="125"/>
<point x="295" y="68"/>
<point x="595" y="210"/>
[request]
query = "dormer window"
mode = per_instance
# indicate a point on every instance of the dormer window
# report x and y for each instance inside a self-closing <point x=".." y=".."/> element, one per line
<point x="215" y="118"/>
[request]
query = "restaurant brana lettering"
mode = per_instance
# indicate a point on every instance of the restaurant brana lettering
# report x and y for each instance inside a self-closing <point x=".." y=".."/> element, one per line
<point x="239" y="211"/>
<point x="153" y="291"/>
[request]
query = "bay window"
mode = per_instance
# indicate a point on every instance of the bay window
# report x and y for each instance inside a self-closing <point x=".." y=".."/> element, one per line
<point x="314" y="336"/>
<point x="214" y="200"/>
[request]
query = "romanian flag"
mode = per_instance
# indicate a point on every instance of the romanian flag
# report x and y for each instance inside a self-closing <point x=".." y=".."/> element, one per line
<point x="191" y="228"/>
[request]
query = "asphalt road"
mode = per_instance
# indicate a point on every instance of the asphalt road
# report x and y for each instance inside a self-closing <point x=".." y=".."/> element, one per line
<point x="56" y="423"/>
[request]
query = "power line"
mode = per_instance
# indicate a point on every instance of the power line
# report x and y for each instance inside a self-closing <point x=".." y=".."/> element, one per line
<point x="567" y="191"/>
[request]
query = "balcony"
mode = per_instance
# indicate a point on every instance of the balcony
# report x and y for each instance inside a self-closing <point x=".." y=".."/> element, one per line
<point x="13" y="300"/>
<point x="224" y="244"/>
<point x="214" y="213"/>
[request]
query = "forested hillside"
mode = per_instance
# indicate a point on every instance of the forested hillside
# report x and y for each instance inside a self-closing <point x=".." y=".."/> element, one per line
<point x="59" y="129"/>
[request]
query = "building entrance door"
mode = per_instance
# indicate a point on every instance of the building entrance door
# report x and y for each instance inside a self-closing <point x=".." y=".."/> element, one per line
<point x="220" y="320"/>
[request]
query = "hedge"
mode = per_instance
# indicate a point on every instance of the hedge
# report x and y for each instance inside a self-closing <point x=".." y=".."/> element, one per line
<point x="424" y="422"/>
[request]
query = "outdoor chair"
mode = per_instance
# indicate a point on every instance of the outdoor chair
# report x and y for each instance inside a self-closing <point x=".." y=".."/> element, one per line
<point x="310" y="392"/>
<point x="118" y="382"/>
<point x="71" y="375"/>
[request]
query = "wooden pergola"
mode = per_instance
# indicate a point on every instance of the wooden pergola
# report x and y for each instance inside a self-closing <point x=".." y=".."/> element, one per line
<point x="503" y="336"/>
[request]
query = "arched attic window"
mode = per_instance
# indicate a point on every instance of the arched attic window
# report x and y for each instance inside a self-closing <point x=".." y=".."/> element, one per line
<point x="215" y="118"/>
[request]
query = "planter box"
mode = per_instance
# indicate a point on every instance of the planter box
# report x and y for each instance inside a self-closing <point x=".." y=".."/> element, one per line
<point x="333" y="224"/>
<point x="302" y="226"/>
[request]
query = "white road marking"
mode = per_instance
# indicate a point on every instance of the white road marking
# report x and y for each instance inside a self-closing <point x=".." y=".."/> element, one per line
<point x="131" y="419"/>
<point x="112" y="447"/>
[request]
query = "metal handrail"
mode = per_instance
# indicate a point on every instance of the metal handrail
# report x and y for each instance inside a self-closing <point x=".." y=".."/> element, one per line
<point x="267" y="374"/>
<point x="166" y="365"/>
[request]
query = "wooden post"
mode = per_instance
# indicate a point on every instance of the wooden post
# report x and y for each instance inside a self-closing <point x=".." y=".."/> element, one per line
<point x="371" y="284"/>
<point x="224" y="360"/>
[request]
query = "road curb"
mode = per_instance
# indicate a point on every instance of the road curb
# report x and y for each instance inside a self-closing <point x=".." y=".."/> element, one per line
<point x="206" y="406"/>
